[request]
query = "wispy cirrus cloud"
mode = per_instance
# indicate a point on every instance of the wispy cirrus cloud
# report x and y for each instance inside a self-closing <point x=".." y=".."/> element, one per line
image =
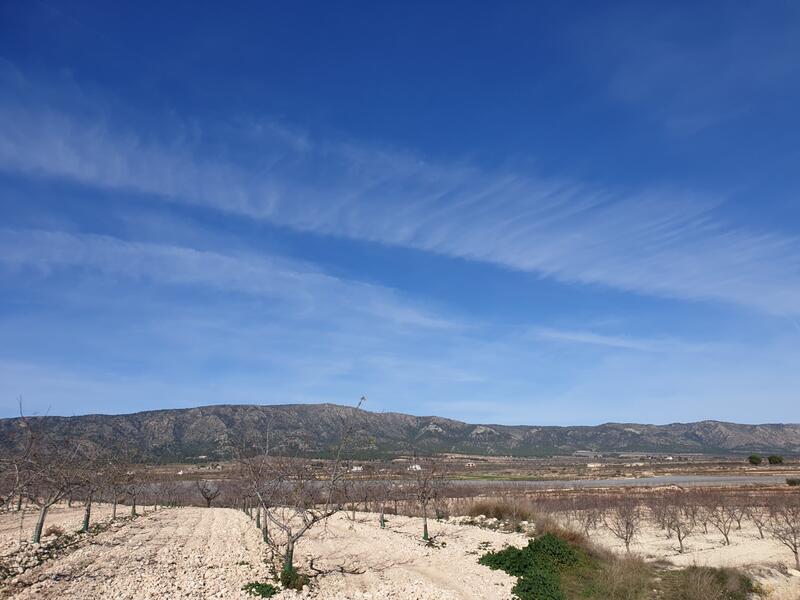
<point x="624" y="342"/>
<point x="302" y="289"/>
<point x="667" y="242"/>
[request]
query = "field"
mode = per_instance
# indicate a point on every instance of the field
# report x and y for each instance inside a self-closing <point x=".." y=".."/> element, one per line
<point x="199" y="553"/>
<point x="212" y="553"/>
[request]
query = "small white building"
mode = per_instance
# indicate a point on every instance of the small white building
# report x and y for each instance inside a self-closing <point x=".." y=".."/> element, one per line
<point x="470" y="465"/>
<point x="414" y="468"/>
<point x="357" y="468"/>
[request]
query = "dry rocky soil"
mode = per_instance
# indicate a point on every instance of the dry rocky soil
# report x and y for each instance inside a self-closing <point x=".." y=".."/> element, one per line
<point x="203" y="553"/>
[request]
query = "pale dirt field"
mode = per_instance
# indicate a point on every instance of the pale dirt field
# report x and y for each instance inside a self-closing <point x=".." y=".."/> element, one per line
<point x="746" y="550"/>
<point x="17" y="527"/>
<point x="211" y="553"/>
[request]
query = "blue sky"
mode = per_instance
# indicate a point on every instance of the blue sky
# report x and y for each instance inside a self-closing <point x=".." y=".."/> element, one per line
<point x="515" y="213"/>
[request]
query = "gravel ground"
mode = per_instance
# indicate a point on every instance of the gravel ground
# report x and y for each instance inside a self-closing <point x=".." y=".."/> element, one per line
<point x="211" y="553"/>
<point x="18" y="527"/>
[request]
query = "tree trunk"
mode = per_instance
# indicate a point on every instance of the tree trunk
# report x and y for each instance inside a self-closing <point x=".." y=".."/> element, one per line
<point x="258" y="518"/>
<point x="425" y="523"/>
<point x="87" y="513"/>
<point x="114" y="508"/>
<point x="37" y="533"/>
<point x="383" y="518"/>
<point x="19" y="503"/>
<point x="133" y="506"/>
<point x="288" y="560"/>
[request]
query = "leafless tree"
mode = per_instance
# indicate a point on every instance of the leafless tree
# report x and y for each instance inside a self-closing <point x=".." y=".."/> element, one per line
<point x="293" y="493"/>
<point x="133" y="486"/>
<point x="55" y="475"/>
<point x="89" y="481"/>
<point x="624" y="519"/>
<point x="758" y="514"/>
<point x="15" y="468"/>
<point x="721" y="513"/>
<point x="784" y="523"/>
<point x="209" y="490"/>
<point x="427" y="482"/>
<point x="681" y="516"/>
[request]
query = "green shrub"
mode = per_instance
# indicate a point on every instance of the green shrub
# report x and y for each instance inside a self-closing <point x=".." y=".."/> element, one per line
<point x="539" y="583"/>
<point x="755" y="459"/>
<point x="264" y="590"/>
<point x="537" y="565"/>
<point x="793" y="481"/>
<point x="514" y="561"/>
<point x="553" y="549"/>
<point x="775" y="459"/>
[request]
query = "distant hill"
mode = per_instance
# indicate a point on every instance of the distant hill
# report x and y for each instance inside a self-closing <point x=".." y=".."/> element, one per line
<point x="315" y="428"/>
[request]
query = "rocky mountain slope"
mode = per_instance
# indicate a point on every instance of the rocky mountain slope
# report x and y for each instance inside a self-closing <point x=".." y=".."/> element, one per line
<point x="214" y="431"/>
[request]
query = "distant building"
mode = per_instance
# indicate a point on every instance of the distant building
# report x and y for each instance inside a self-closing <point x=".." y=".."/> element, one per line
<point x="586" y="453"/>
<point x="357" y="468"/>
<point x="414" y="468"/>
<point x="470" y="465"/>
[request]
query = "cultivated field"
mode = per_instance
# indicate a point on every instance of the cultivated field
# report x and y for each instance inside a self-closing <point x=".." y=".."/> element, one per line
<point x="213" y="552"/>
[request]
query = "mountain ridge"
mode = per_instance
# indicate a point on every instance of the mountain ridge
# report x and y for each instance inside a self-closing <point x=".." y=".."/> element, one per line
<point x="180" y="433"/>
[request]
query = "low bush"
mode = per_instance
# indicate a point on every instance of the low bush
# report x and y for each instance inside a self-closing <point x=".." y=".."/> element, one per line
<point x="775" y="459"/>
<point x="755" y="459"/>
<point x="539" y="583"/>
<point x="264" y="590"/>
<point x="512" y="560"/>
<point x="537" y="566"/>
<point x="553" y="550"/>
<point x="793" y="481"/>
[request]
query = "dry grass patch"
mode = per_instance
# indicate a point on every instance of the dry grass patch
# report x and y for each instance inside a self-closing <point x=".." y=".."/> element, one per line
<point x="708" y="583"/>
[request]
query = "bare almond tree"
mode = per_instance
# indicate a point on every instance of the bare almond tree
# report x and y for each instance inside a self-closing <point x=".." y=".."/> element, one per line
<point x="89" y="481"/>
<point x="133" y="486"/>
<point x="681" y="516"/>
<point x="624" y="519"/>
<point x="721" y="513"/>
<point x="15" y="468"/>
<point x="209" y="490"/>
<point x="427" y="482"/>
<point x="293" y="492"/>
<point x="759" y="515"/>
<point x="784" y="523"/>
<point x="55" y="475"/>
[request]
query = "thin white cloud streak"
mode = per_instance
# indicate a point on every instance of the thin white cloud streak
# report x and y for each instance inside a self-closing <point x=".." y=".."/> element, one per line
<point x="666" y="243"/>
<point x="643" y="344"/>
<point x="303" y="291"/>
<point x="595" y="339"/>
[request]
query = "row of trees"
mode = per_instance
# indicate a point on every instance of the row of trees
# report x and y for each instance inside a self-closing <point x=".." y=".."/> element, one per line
<point x="36" y="471"/>
<point x="681" y="514"/>
<point x="286" y="493"/>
